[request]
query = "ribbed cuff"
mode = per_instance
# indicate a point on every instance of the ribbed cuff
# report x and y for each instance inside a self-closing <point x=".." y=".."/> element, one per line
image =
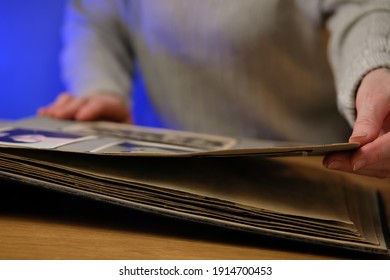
<point x="352" y="77"/>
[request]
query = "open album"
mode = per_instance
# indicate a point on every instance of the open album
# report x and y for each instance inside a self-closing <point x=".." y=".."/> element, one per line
<point x="240" y="184"/>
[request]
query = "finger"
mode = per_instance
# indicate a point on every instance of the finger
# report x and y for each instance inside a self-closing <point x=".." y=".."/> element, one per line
<point x="379" y="169"/>
<point x="103" y="107"/>
<point x="63" y="99"/>
<point x="342" y="162"/>
<point x="69" y="109"/>
<point x="373" y="107"/>
<point x="338" y="161"/>
<point x="90" y="111"/>
<point x="372" y="112"/>
<point x="60" y="101"/>
<point x="43" y="111"/>
<point x="374" y="152"/>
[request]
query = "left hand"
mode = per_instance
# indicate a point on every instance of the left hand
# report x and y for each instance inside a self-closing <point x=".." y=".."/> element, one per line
<point x="97" y="106"/>
<point x="371" y="129"/>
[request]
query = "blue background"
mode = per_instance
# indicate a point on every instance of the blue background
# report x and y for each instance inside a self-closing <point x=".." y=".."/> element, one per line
<point x="30" y="44"/>
<point x="30" y="41"/>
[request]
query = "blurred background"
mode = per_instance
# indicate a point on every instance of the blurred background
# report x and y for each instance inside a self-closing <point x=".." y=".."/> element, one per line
<point x="30" y="41"/>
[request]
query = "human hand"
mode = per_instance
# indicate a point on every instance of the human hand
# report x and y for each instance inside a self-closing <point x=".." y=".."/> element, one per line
<point x="371" y="129"/>
<point x="100" y="106"/>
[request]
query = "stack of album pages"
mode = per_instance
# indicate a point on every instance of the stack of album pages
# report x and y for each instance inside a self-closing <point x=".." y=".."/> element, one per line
<point x="239" y="184"/>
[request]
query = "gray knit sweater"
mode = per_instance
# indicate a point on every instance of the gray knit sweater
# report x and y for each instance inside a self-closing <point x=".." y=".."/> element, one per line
<point x="247" y="68"/>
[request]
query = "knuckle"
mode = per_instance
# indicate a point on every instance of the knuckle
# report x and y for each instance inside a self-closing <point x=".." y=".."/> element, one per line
<point x="365" y="121"/>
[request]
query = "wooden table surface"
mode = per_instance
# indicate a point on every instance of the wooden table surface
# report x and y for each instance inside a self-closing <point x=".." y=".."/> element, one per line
<point x="43" y="224"/>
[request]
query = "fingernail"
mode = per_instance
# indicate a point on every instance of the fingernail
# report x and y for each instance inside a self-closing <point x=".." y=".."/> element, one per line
<point x="359" y="164"/>
<point x="336" y="164"/>
<point x="359" y="135"/>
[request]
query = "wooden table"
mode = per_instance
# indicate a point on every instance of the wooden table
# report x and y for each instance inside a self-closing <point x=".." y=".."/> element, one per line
<point x="43" y="224"/>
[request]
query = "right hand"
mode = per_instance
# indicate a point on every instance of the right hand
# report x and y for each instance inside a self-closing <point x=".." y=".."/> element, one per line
<point x="371" y="129"/>
<point x="100" y="106"/>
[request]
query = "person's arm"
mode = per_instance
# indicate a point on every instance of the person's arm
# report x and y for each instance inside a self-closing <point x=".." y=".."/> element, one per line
<point x="96" y="64"/>
<point x="359" y="52"/>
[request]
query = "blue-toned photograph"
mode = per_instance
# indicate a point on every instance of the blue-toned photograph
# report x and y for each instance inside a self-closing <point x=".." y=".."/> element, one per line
<point x="37" y="138"/>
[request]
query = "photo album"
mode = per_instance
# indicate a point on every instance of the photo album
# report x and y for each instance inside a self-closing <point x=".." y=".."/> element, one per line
<point x="241" y="184"/>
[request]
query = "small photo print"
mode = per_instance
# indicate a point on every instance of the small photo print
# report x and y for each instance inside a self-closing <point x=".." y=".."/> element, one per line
<point x="179" y="139"/>
<point x="36" y="138"/>
<point x="143" y="147"/>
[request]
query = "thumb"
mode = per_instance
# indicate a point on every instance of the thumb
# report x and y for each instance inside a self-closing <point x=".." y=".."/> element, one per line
<point x="368" y="123"/>
<point x="372" y="110"/>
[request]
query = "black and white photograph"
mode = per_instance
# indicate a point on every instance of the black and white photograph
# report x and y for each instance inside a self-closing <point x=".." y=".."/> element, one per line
<point x="185" y="141"/>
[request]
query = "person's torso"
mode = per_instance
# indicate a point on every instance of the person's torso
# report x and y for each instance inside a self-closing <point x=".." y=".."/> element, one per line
<point x="244" y="68"/>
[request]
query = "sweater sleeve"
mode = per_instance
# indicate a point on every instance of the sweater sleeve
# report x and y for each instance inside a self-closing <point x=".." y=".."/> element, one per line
<point x="359" y="42"/>
<point x="95" y="56"/>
